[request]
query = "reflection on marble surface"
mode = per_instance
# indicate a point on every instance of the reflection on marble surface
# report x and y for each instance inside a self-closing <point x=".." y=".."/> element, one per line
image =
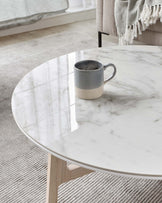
<point x="121" y="131"/>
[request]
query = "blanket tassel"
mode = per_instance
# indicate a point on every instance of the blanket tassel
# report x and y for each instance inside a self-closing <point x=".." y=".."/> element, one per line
<point x="150" y="15"/>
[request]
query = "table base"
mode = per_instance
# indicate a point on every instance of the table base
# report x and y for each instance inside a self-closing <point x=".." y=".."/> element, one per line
<point x="58" y="173"/>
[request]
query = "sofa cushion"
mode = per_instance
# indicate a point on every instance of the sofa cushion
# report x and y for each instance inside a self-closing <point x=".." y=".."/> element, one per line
<point x="108" y="17"/>
<point x="151" y="38"/>
<point x="156" y="27"/>
<point x="105" y="17"/>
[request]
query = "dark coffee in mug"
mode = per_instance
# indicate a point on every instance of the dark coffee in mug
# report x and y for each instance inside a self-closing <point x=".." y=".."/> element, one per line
<point x="88" y="65"/>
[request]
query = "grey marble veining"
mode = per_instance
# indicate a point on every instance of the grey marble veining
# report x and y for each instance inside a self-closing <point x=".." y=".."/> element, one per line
<point x="120" y="132"/>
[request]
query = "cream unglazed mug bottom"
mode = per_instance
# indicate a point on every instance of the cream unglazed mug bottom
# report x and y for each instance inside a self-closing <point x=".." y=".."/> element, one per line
<point x="89" y="78"/>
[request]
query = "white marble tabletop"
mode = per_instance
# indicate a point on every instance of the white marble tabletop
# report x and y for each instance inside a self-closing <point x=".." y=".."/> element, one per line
<point x="120" y="132"/>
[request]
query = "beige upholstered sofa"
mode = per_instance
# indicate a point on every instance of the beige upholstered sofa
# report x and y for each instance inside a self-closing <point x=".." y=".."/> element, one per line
<point x="106" y="25"/>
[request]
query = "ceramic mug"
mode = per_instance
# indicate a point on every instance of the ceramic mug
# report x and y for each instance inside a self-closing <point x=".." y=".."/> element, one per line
<point x="89" y="78"/>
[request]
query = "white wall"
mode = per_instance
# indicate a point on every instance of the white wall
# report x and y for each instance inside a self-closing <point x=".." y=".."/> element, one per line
<point x="82" y="3"/>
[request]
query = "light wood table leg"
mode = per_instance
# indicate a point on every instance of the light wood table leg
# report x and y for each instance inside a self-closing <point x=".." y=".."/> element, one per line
<point x="58" y="173"/>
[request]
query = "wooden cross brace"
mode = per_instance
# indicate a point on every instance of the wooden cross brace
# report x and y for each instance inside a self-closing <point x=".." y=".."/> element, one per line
<point x="58" y="173"/>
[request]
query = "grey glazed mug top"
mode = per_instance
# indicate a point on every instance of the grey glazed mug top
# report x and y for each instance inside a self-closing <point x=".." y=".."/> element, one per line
<point x="89" y="74"/>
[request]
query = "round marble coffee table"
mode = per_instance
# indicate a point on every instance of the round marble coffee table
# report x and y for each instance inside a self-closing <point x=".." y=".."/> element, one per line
<point x="121" y="132"/>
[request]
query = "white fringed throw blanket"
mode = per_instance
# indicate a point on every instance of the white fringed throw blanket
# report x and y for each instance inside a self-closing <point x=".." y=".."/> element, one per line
<point x="134" y="16"/>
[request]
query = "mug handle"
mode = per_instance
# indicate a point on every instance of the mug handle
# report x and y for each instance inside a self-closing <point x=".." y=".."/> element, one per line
<point x="114" y="73"/>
